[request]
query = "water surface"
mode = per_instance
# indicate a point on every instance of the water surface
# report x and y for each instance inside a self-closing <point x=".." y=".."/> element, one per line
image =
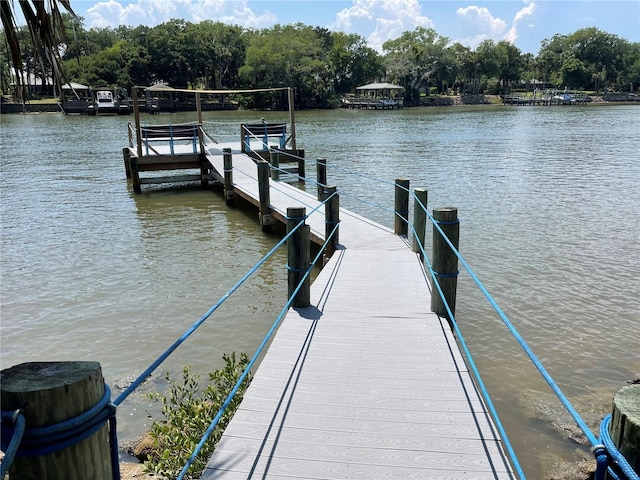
<point x="548" y="202"/>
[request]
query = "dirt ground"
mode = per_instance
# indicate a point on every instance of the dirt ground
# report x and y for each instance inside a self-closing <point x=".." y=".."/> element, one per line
<point x="133" y="471"/>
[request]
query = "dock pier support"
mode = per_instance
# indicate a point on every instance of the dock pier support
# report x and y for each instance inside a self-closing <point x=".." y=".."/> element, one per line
<point x="401" y="223"/>
<point x="321" y="177"/>
<point x="445" y="261"/>
<point x="332" y="218"/>
<point x="624" y="429"/>
<point x="299" y="256"/>
<point x="264" y="212"/>
<point x="419" y="220"/>
<point x="229" y="195"/>
<point x="49" y="394"/>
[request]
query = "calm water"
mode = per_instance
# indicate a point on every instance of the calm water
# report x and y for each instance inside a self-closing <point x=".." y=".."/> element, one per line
<point x="550" y="221"/>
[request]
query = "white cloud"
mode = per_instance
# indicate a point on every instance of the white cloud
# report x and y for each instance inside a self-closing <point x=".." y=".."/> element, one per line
<point x="386" y="18"/>
<point x="231" y="12"/>
<point x="523" y="14"/>
<point x="480" y="24"/>
<point x="482" y="19"/>
<point x="153" y="12"/>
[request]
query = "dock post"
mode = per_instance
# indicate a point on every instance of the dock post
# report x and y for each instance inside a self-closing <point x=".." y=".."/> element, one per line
<point x="321" y="177"/>
<point x="624" y="428"/>
<point x="135" y="174"/>
<point x="401" y="224"/>
<point x="301" y="169"/>
<point x="51" y="393"/>
<point x="274" y="159"/>
<point x="445" y="261"/>
<point x="229" y="195"/>
<point x="419" y="220"/>
<point x="264" y="214"/>
<point x="299" y="255"/>
<point x="332" y="218"/>
<point x="126" y="154"/>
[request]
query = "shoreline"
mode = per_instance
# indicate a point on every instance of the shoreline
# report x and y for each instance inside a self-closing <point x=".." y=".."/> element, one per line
<point x="54" y="106"/>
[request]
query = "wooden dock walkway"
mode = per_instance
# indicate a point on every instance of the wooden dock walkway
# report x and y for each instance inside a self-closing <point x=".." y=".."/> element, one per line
<point x="365" y="383"/>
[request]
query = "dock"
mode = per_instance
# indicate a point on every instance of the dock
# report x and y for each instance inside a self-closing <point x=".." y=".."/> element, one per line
<point x="366" y="381"/>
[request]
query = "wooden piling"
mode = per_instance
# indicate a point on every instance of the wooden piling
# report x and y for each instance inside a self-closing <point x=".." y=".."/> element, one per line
<point x="49" y="393"/>
<point x="624" y="429"/>
<point x="445" y="261"/>
<point x="419" y="220"/>
<point x="264" y="214"/>
<point x="332" y="218"/>
<point x="135" y="174"/>
<point x="274" y="159"/>
<point x="321" y="177"/>
<point x="301" y="168"/>
<point x="401" y="226"/>
<point x="126" y="154"/>
<point x="229" y="194"/>
<point x="299" y="255"/>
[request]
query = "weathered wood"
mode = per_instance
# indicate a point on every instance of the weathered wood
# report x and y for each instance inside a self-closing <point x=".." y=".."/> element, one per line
<point x="292" y="117"/>
<point x="445" y="261"/>
<point x="332" y="218"/>
<point x="419" y="220"/>
<point x="264" y="212"/>
<point x="301" y="166"/>
<point x="229" y="195"/>
<point x="50" y="393"/>
<point x="321" y="177"/>
<point x="298" y="257"/>
<point x="135" y="174"/>
<point x="274" y="159"/>
<point x="126" y="154"/>
<point x="625" y="424"/>
<point x="401" y="225"/>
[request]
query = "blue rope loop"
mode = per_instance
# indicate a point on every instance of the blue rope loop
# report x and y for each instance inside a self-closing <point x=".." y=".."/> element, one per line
<point x="19" y="441"/>
<point x="298" y="270"/>
<point x="616" y="464"/>
<point x="442" y="222"/>
<point x="446" y="275"/>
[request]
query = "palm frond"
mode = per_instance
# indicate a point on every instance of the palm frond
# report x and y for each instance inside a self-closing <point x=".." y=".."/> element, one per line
<point x="46" y="29"/>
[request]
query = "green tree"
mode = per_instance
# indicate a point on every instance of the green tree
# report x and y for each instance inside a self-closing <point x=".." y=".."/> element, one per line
<point x="282" y="56"/>
<point x="416" y="60"/>
<point x="510" y="64"/>
<point x="166" y="49"/>
<point x="352" y="62"/>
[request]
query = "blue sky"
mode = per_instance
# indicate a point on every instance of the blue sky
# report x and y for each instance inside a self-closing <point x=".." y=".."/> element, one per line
<point x="525" y="23"/>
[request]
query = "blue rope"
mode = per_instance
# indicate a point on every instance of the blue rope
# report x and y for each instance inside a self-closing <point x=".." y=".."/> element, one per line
<point x="229" y="399"/>
<point x="476" y="374"/>
<point x="143" y="376"/>
<point x="599" y="450"/>
<point x="38" y="441"/>
<point x="10" y="452"/>
<point x="620" y="468"/>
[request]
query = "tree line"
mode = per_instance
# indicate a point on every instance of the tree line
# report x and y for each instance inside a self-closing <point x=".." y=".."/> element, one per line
<point x="324" y="65"/>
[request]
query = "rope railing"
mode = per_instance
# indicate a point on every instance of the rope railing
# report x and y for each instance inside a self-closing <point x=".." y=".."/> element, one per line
<point x="259" y="350"/>
<point x="156" y="363"/>
<point x="601" y="448"/>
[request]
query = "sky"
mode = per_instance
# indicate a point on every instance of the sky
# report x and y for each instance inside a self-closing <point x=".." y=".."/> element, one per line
<point x="524" y="23"/>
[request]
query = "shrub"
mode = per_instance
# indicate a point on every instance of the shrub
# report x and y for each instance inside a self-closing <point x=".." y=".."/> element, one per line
<point x="187" y="415"/>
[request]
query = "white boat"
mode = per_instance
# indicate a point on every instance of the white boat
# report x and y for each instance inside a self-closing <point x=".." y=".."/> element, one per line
<point x="105" y="103"/>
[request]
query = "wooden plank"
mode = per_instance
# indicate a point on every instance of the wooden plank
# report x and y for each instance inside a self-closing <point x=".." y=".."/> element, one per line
<point x="171" y="179"/>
